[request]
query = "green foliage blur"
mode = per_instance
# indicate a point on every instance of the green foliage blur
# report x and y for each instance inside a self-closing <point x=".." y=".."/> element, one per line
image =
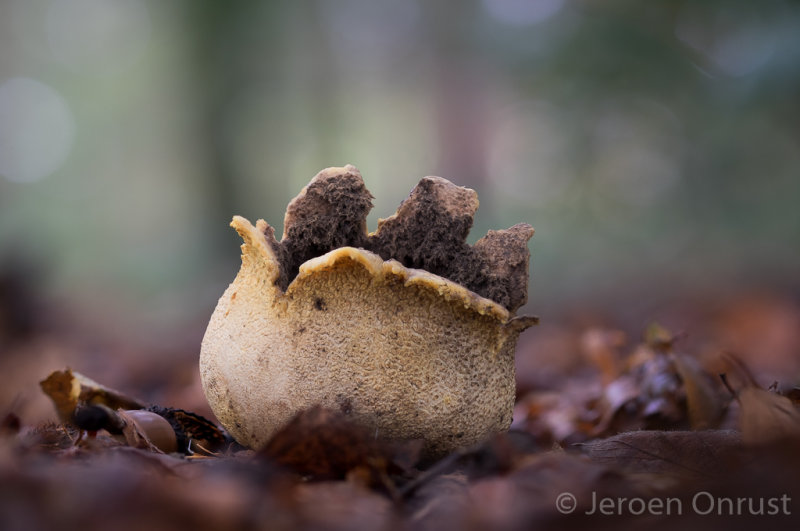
<point x="654" y="146"/>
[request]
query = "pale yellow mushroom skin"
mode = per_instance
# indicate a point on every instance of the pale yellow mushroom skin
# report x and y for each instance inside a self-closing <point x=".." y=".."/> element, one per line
<point x="405" y="353"/>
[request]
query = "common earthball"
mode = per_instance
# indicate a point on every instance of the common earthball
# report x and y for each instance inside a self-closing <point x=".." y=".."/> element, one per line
<point x="409" y="330"/>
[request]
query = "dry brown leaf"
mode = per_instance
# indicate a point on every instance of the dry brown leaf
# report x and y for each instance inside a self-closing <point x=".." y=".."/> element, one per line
<point x="551" y="417"/>
<point x="767" y="417"/>
<point x="527" y="497"/>
<point x="704" y="405"/>
<point x="340" y="505"/>
<point x="659" y="338"/>
<point x="67" y="389"/>
<point x="793" y="394"/>
<point x="325" y="444"/>
<point x="677" y="453"/>
<point x="442" y="499"/>
<point x="601" y="348"/>
<point x="616" y="394"/>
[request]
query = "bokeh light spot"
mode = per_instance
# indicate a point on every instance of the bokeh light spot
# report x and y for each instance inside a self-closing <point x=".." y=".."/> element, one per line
<point x="37" y="130"/>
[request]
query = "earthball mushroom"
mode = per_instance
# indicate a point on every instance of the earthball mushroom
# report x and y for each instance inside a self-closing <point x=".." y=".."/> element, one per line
<point x="409" y="330"/>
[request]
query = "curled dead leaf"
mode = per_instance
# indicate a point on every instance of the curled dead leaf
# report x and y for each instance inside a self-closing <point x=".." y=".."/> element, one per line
<point x="767" y="417"/>
<point x="703" y="403"/>
<point x="67" y="389"/>
<point x="601" y="347"/>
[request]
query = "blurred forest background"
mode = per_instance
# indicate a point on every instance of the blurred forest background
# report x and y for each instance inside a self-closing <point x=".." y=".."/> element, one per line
<point x="654" y="146"/>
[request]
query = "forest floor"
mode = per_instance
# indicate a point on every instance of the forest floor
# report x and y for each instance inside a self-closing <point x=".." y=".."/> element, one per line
<point x="697" y="425"/>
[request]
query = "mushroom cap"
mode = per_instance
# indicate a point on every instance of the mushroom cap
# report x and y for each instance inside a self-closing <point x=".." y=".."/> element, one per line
<point x="405" y="352"/>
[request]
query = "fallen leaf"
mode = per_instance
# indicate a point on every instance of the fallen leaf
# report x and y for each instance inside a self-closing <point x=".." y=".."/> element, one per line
<point x="442" y="499"/>
<point x="793" y="394"/>
<point x="326" y="444"/>
<point x="601" y="347"/>
<point x="767" y="417"/>
<point x="703" y="403"/>
<point x="617" y="394"/>
<point x="677" y="453"/>
<point x="527" y="498"/>
<point x="659" y="338"/>
<point x="340" y="505"/>
<point x="67" y="389"/>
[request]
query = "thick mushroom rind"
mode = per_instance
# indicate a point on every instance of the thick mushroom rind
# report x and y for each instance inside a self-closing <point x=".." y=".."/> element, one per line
<point x="406" y="352"/>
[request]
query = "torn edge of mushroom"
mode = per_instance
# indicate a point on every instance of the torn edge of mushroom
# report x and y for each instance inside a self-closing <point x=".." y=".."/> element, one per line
<point x="262" y="251"/>
<point x="257" y="252"/>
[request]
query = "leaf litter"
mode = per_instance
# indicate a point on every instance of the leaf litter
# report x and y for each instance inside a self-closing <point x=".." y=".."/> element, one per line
<point x="648" y="421"/>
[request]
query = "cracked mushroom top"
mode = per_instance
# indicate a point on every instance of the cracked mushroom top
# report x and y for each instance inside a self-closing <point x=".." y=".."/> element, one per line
<point x="428" y="231"/>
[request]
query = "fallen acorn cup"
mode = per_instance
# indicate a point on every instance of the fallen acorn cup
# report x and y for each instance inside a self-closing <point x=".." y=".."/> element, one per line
<point x="409" y="330"/>
<point x="166" y="429"/>
<point x="138" y="426"/>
